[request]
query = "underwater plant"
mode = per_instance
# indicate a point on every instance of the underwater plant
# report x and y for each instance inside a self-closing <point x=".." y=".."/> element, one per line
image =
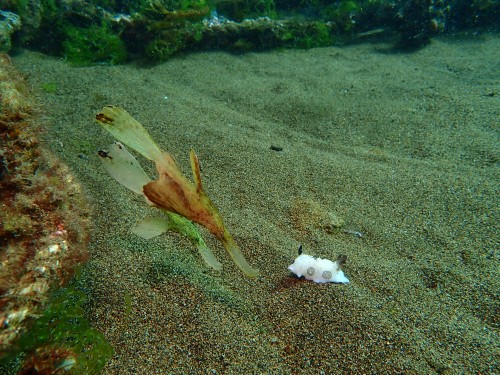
<point x="85" y="46"/>
<point x="172" y="192"/>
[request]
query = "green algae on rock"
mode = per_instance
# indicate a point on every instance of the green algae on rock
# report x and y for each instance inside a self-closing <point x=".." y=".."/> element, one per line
<point x="62" y="339"/>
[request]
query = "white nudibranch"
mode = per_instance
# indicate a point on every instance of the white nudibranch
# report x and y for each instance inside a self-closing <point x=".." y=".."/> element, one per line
<point x="319" y="270"/>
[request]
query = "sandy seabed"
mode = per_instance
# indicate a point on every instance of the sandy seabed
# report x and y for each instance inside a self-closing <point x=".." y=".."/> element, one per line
<point x="391" y="159"/>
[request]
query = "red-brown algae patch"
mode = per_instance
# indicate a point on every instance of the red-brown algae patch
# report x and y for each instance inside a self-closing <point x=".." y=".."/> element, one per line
<point x="43" y="216"/>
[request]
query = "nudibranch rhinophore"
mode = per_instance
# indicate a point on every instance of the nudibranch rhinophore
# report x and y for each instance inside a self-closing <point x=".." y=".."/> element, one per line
<point x="319" y="270"/>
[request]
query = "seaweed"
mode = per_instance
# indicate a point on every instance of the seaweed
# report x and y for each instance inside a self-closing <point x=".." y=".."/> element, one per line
<point x="171" y="27"/>
<point x="245" y="9"/>
<point x="95" y="44"/>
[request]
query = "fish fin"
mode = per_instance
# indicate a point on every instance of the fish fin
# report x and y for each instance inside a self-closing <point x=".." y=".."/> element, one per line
<point x="129" y="131"/>
<point x="195" y="166"/>
<point x="151" y="227"/>
<point x="124" y="168"/>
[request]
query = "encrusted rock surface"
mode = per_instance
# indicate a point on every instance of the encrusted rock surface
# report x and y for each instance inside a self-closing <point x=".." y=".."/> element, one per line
<point x="43" y="214"/>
